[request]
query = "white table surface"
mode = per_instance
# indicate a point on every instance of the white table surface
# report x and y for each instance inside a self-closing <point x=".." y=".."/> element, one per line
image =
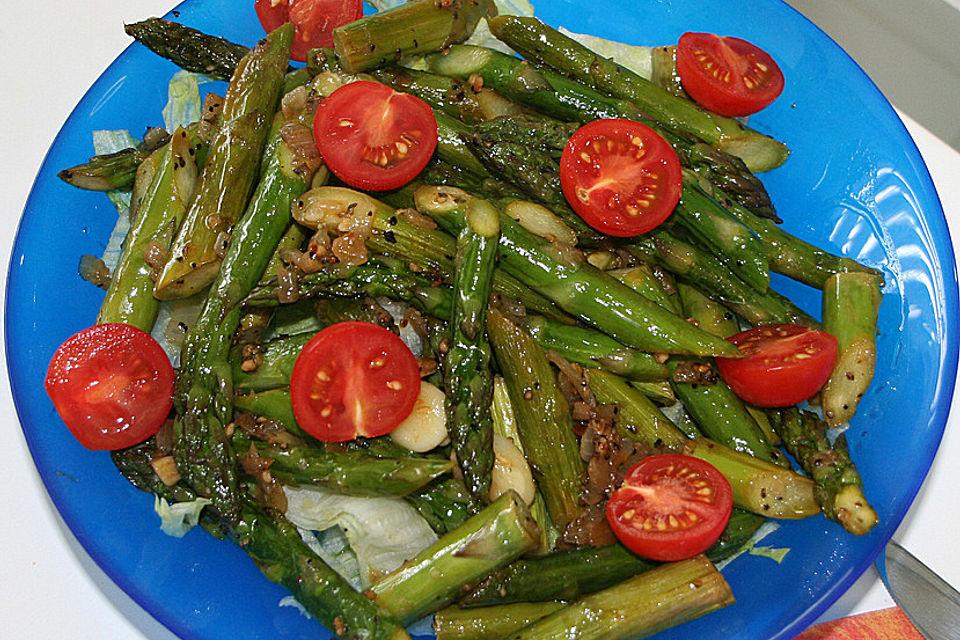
<point x="52" y="51"/>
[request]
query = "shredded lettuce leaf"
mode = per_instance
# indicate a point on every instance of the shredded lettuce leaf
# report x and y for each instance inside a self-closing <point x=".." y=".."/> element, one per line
<point x="765" y="529"/>
<point x="383" y="531"/>
<point x="636" y="58"/>
<point x="774" y="553"/>
<point x="333" y="547"/>
<point x="178" y="518"/>
<point x="183" y="100"/>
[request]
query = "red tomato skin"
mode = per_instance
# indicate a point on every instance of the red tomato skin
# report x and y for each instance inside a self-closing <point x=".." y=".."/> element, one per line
<point x="587" y="162"/>
<point x="735" y="56"/>
<point x="315" y="20"/>
<point x="337" y="390"/>
<point x="112" y="385"/>
<point x="770" y="375"/>
<point x="669" y="478"/>
<point x="359" y="113"/>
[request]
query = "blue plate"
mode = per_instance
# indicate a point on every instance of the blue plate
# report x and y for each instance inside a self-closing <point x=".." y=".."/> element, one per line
<point x="854" y="184"/>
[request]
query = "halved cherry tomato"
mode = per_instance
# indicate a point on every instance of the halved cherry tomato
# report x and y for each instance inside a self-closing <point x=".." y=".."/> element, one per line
<point x="112" y="385"/>
<point x="620" y="176"/>
<point x="353" y="379"/>
<point x="784" y="364"/>
<point x="373" y="137"/>
<point x="727" y="75"/>
<point x="670" y="507"/>
<point x="314" y="20"/>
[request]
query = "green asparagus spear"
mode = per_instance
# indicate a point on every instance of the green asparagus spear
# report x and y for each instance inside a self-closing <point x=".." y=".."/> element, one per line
<point x="728" y="239"/>
<point x="710" y="315"/>
<point x="851" y="302"/>
<point x="230" y="173"/>
<point x="571" y="573"/>
<point x="591" y="348"/>
<point x="413" y="28"/>
<point x="203" y="389"/>
<point x="276" y="547"/>
<point x="838" y="486"/>
<point x="638" y="419"/>
<point x="641" y="606"/>
<point x="129" y="297"/>
<point x="542" y="44"/>
<point x="445" y="504"/>
<point x="543" y="417"/>
<point x="188" y="48"/>
<point x="789" y="255"/>
<point x="499" y="534"/>
<point x="717" y="410"/>
<point x="283" y="557"/>
<point x="113" y="171"/>
<point x="351" y="472"/>
<point x="489" y="623"/>
<point x="702" y="270"/>
<point x="759" y="486"/>
<point x="563" y="98"/>
<point x="467" y="377"/>
<point x="564" y="276"/>
<point x="651" y="284"/>
<point x="393" y="233"/>
<point x="270" y="366"/>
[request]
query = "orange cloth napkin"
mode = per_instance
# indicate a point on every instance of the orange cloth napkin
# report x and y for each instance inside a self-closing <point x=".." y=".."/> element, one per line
<point x="885" y="624"/>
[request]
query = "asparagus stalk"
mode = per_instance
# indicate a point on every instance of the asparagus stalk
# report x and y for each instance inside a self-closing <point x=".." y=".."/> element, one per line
<point x="497" y="535"/>
<point x="413" y="28"/>
<point x="351" y="472"/>
<point x="837" y="484"/>
<point x="378" y="278"/>
<point x="129" y="297"/>
<point x="467" y="377"/>
<point x="708" y="274"/>
<point x="188" y="48"/>
<point x="203" y="389"/>
<point x="728" y="239"/>
<point x="230" y="172"/>
<point x="579" y="288"/>
<point x="563" y="98"/>
<point x="851" y="302"/>
<point x="113" y="171"/>
<point x="650" y="284"/>
<point x="276" y="547"/>
<point x="283" y="557"/>
<point x="572" y="573"/>
<point x="710" y="315"/>
<point x="592" y="348"/>
<point x="789" y="255"/>
<point x="544" y="45"/>
<point x="273" y="363"/>
<point x="445" y="504"/>
<point x="638" y="418"/>
<point x="719" y="413"/>
<point x="639" y="607"/>
<point x="394" y="234"/>
<point x="759" y="486"/>
<point x="489" y="623"/>
<point x="543" y="418"/>
<point x="273" y="404"/>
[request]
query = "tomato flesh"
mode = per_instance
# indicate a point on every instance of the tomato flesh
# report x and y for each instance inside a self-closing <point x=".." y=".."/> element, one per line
<point x="373" y="137"/>
<point x="353" y="379"/>
<point x="670" y="507"/>
<point x="784" y="364"/>
<point x="727" y="75"/>
<point x="112" y="385"/>
<point x="620" y="176"/>
<point x="314" y="20"/>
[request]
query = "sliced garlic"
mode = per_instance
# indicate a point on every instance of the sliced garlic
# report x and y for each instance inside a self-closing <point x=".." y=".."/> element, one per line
<point x="425" y="428"/>
<point x="510" y="471"/>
